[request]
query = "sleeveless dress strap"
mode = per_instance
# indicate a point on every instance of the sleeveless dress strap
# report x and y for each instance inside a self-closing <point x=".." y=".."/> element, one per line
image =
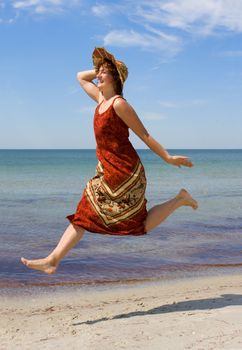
<point x="117" y="98"/>
<point x="99" y="104"/>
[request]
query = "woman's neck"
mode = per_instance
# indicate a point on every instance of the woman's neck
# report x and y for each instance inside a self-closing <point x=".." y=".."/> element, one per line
<point x="108" y="94"/>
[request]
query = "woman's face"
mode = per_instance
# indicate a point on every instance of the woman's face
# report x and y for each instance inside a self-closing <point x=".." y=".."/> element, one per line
<point x="105" y="79"/>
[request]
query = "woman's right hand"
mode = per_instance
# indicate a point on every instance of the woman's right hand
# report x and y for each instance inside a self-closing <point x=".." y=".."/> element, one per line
<point x="180" y="161"/>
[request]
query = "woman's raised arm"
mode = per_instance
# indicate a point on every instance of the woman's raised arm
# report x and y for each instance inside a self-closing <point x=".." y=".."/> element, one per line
<point x="85" y="79"/>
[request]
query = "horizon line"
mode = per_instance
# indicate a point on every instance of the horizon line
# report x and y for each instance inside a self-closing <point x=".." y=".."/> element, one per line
<point x="94" y="149"/>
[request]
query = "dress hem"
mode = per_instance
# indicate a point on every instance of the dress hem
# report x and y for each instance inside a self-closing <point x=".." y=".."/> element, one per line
<point x="72" y="219"/>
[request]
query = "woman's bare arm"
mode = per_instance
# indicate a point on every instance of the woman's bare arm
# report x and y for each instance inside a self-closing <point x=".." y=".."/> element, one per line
<point x="131" y="119"/>
<point x="85" y="79"/>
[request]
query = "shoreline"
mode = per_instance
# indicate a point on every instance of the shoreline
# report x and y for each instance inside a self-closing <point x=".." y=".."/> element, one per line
<point x="189" y="313"/>
<point x="44" y="283"/>
<point x="47" y="284"/>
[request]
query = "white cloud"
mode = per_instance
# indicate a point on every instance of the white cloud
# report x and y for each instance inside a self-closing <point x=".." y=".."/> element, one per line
<point x="130" y="38"/>
<point x="196" y="17"/>
<point x="163" y="23"/>
<point x="199" y="17"/>
<point x="44" y="6"/>
<point x="100" y="10"/>
<point x="152" y="116"/>
<point x="24" y="4"/>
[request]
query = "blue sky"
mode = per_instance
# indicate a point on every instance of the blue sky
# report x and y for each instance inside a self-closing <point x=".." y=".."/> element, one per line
<point x="184" y="59"/>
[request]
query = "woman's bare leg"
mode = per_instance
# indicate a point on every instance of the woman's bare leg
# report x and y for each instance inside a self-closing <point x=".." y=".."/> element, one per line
<point x="160" y="212"/>
<point x="70" y="238"/>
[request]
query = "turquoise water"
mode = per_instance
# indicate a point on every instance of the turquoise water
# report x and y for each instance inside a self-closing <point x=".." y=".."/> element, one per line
<point x="38" y="188"/>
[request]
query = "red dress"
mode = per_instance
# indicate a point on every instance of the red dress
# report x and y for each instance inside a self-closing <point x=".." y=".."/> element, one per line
<point x="113" y="201"/>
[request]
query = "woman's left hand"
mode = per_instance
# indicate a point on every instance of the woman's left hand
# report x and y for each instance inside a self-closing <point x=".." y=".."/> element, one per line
<point x="180" y="161"/>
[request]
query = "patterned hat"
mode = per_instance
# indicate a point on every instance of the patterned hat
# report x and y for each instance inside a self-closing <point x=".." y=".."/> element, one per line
<point x="99" y="53"/>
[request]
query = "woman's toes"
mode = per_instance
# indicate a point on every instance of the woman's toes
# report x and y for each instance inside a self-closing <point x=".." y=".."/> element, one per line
<point x="24" y="261"/>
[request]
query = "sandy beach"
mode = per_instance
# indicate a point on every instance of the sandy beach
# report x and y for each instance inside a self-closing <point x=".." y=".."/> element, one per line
<point x="200" y="313"/>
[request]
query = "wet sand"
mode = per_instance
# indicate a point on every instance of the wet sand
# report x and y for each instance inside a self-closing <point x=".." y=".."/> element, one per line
<point x="199" y="313"/>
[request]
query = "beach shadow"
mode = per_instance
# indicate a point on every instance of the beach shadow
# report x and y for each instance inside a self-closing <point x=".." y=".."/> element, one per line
<point x="191" y="305"/>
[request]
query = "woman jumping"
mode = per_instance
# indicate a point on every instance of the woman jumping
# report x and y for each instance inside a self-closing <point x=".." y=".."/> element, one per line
<point x="113" y="201"/>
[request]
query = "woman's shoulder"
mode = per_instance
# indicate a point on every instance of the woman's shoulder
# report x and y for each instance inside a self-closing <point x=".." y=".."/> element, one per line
<point x="122" y="107"/>
<point x="119" y="102"/>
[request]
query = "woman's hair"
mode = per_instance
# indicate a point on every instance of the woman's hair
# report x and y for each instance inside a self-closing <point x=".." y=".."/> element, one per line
<point x="118" y="87"/>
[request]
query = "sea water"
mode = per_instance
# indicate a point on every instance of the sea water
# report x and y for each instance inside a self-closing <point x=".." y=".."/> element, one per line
<point x="38" y="188"/>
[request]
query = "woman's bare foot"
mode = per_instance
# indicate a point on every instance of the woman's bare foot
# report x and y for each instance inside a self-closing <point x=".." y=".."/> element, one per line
<point x="187" y="199"/>
<point x="47" y="265"/>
